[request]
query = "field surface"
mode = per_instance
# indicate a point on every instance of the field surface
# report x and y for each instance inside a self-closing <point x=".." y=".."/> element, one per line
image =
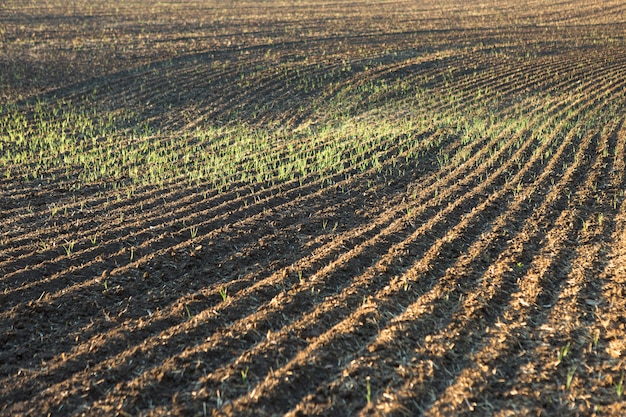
<point x="312" y="207"/>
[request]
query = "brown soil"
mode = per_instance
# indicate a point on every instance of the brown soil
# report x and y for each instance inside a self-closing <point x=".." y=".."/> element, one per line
<point x="493" y="285"/>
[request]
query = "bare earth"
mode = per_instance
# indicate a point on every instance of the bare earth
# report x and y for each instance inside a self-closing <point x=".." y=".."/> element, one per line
<point x="481" y="275"/>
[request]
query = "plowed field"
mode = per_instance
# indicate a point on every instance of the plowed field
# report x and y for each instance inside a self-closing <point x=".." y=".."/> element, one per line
<point x="312" y="208"/>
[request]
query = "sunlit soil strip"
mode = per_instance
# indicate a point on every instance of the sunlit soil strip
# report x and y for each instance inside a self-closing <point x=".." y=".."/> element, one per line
<point x="611" y="345"/>
<point x="471" y="387"/>
<point x="517" y="314"/>
<point x="431" y="358"/>
<point x="401" y="327"/>
<point x="569" y="341"/>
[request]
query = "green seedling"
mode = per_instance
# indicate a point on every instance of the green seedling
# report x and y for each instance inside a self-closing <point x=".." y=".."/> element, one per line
<point x="570" y="377"/>
<point x="223" y="293"/>
<point x="368" y="390"/>
<point x="69" y="247"/>
<point x="563" y="352"/>
<point x="596" y="339"/>
<point x="188" y="312"/>
<point x="619" y="387"/>
<point x="194" y="232"/>
<point x="244" y="374"/>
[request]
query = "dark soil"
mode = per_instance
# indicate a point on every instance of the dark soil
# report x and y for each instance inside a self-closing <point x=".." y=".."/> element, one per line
<point x="492" y="284"/>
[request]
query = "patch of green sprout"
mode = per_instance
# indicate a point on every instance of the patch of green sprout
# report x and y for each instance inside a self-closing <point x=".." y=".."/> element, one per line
<point x="223" y="293"/>
<point x="619" y="387"/>
<point x="596" y="339"/>
<point x="570" y="377"/>
<point x="563" y="352"/>
<point x="90" y="145"/>
<point x="69" y="247"/>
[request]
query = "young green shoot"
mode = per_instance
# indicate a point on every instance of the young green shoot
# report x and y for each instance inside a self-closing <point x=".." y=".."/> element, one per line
<point x="69" y="247"/>
<point x="570" y="377"/>
<point x="619" y="387"/>
<point x="596" y="339"/>
<point x="563" y="352"/>
<point x="223" y="293"/>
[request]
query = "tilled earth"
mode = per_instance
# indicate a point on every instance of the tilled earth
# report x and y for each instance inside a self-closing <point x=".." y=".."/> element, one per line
<point x="481" y="276"/>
